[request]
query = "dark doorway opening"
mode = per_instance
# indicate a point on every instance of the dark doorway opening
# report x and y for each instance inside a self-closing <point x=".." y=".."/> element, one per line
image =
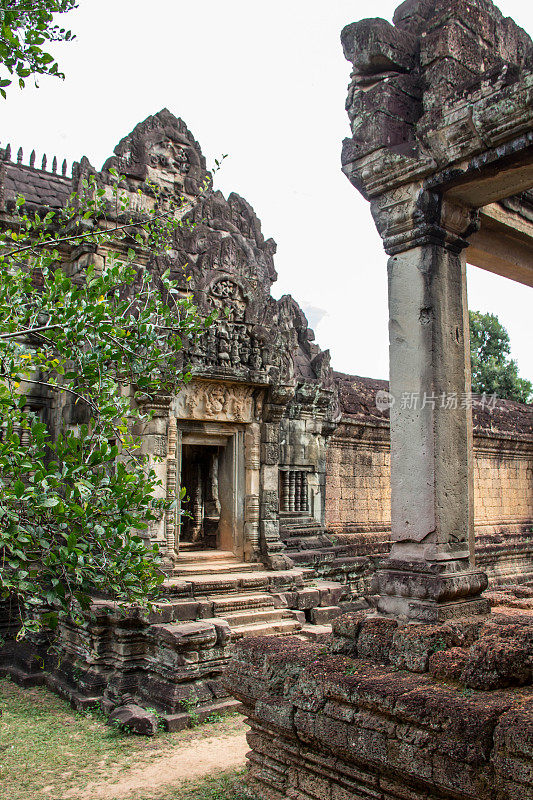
<point x="200" y="476"/>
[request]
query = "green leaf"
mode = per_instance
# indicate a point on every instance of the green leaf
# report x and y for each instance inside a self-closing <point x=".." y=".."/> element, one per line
<point x="50" y="502"/>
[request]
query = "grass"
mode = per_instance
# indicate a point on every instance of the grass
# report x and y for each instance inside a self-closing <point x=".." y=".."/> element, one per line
<point x="230" y="786"/>
<point x="48" y="750"/>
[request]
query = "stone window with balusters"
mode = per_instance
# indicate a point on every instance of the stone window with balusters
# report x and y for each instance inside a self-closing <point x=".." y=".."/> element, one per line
<point x="294" y="494"/>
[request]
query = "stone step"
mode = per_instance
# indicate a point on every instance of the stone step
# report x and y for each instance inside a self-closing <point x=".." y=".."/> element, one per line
<point x="315" y="633"/>
<point x="237" y="619"/>
<point x="290" y="520"/>
<point x="201" y="586"/>
<point x="347" y="563"/>
<point x="228" y="566"/>
<point x="224" y="604"/>
<point x="188" y="556"/>
<point x="325" y="555"/>
<point x="308" y="543"/>
<point x="204" y="585"/>
<point x="300" y="530"/>
<point x="285" y="627"/>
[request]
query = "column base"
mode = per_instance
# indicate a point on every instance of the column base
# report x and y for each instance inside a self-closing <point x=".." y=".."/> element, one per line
<point x="426" y="592"/>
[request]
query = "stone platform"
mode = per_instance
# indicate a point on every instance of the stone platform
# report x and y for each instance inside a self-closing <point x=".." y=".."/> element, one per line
<point x="391" y="712"/>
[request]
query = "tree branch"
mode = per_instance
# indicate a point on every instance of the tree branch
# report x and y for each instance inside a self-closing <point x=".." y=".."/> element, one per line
<point x="27" y="331"/>
<point x="82" y="236"/>
<point x="57" y="388"/>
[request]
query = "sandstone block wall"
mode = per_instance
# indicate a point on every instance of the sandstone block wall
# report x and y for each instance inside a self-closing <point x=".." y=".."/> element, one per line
<point x="378" y="721"/>
<point x="358" y="480"/>
<point x="503" y="481"/>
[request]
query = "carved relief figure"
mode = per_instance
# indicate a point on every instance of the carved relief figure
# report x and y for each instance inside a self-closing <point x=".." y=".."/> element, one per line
<point x="228" y="298"/>
<point x="215" y="401"/>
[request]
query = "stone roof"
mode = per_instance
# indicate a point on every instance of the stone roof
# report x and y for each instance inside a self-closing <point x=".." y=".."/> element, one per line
<point x="507" y="417"/>
<point x="357" y="398"/>
<point x="44" y="189"/>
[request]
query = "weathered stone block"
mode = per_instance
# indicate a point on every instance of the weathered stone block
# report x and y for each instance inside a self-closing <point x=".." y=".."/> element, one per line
<point x="308" y="598"/>
<point x="375" y="46"/>
<point x="186" y="611"/>
<point x="495" y="662"/>
<point x="447" y="665"/>
<point x="135" y="719"/>
<point x="375" y="638"/>
<point x="412" y="645"/>
<point x="324" y="614"/>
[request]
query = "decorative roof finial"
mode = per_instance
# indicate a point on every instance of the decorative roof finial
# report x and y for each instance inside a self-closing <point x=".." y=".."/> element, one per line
<point x="32" y="158"/>
<point x="64" y="167"/>
<point x="54" y="165"/>
<point x="43" y="163"/>
<point x="19" y="156"/>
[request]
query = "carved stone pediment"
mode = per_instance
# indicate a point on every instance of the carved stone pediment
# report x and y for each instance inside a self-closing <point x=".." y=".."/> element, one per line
<point x="202" y="400"/>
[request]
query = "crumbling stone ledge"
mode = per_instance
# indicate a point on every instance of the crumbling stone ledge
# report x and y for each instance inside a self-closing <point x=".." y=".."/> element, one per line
<point x="329" y="726"/>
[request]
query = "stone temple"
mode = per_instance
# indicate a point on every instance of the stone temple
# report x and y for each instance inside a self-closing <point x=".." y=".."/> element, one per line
<point x="286" y="462"/>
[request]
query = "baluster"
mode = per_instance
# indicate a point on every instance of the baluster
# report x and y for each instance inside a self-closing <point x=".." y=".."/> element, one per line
<point x="292" y="486"/>
<point x="24" y="432"/>
<point x="305" y="493"/>
<point x="285" y="490"/>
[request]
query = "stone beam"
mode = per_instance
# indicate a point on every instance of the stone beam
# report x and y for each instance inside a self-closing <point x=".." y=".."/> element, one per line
<point x="496" y="183"/>
<point x="503" y="244"/>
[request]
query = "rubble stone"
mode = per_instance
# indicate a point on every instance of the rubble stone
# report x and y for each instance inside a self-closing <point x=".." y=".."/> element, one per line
<point x="134" y="719"/>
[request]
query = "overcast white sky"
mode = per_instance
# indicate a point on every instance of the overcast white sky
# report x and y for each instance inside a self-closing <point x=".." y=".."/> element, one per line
<point x="265" y="83"/>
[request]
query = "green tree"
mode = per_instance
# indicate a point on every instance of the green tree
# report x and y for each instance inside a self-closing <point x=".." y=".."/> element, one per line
<point x="25" y="26"/>
<point x="493" y="372"/>
<point x="75" y="499"/>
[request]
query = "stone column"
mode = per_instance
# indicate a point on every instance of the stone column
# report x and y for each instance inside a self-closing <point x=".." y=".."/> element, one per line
<point x="252" y="460"/>
<point x="158" y="442"/>
<point x="272" y="546"/>
<point x="172" y="488"/>
<point x="429" y="575"/>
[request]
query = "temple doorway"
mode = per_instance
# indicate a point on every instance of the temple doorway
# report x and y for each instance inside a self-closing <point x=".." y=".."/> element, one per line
<point x="213" y="477"/>
<point x="200" y="476"/>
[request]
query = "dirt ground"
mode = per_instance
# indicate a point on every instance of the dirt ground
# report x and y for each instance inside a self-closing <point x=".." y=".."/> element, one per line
<point x="50" y="752"/>
<point x="169" y="767"/>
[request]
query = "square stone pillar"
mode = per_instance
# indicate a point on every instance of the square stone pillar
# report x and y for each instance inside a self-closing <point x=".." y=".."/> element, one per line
<point x="430" y="573"/>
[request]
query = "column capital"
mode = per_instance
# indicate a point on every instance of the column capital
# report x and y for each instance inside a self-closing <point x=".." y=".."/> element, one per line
<point x="413" y="216"/>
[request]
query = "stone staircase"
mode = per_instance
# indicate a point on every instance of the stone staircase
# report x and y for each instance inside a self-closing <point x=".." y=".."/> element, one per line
<point x="213" y="584"/>
<point x="309" y="545"/>
<point x="172" y="657"/>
